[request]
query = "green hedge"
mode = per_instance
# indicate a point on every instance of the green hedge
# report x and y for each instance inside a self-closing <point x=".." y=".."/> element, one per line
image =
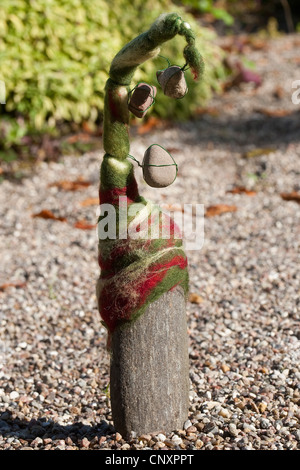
<point x="55" y="55"/>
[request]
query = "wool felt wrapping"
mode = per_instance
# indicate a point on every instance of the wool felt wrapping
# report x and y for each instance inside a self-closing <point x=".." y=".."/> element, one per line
<point x="137" y="269"/>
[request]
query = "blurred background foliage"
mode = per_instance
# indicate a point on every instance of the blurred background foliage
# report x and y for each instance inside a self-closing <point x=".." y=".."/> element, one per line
<point x="55" y="56"/>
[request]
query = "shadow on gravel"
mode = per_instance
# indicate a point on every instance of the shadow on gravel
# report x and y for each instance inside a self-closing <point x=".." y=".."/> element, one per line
<point x="252" y="130"/>
<point x="221" y="130"/>
<point x="28" y="430"/>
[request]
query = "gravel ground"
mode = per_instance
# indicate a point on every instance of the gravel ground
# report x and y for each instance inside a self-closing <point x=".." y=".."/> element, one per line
<point x="244" y="335"/>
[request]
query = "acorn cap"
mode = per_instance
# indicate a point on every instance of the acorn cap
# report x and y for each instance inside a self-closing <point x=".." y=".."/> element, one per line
<point x="141" y="99"/>
<point x="165" y="171"/>
<point x="172" y="81"/>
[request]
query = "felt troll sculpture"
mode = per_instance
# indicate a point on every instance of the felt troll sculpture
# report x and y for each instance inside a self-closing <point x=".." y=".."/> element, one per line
<point x="136" y="270"/>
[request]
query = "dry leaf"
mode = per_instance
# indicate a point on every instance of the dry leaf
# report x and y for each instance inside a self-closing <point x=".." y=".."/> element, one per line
<point x="238" y="44"/>
<point x="210" y="110"/>
<point x="91" y="201"/>
<point x="172" y="150"/>
<point x="259" y="152"/>
<point x="275" y="112"/>
<point x="172" y="207"/>
<point x="240" y="190"/>
<point x="46" y="214"/>
<point x="195" y="298"/>
<point x="92" y="129"/>
<point x="80" y="137"/>
<point x="219" y="209"/>
<point x="71" y="185"/>
<point x="151" y="123"/>
<point x="293" y="196"/>
<point x="12" y="284"/>
<point x="84" y="225"/>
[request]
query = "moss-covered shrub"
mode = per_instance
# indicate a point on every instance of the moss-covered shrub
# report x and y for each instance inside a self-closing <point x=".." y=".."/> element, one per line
<point x="55" y="56"/>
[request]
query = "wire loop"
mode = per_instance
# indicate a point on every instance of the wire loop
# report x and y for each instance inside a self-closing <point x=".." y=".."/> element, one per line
<point x="157" y="166"/>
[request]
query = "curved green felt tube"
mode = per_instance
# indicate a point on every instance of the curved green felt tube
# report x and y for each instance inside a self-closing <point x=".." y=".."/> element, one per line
<point x="143" y="47"/>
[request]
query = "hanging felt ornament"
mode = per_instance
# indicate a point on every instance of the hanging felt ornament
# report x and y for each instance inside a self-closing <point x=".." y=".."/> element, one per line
<point x="141" y="98"/>
<point x="159" y="167"/>
<point x="172" y="81"/>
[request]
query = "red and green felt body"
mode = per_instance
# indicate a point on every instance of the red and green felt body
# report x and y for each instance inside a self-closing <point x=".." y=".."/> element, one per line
<point x="137" y="271"/>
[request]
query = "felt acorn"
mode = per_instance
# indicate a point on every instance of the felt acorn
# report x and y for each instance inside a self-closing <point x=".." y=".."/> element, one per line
<point x="141" y="98"/>
<point x="172" y="81"/>
<point x="159" y="167"/>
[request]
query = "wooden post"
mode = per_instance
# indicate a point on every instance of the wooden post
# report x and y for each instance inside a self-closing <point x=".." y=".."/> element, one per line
<point x="149" y="362"/>
<point x="149" y="374"/>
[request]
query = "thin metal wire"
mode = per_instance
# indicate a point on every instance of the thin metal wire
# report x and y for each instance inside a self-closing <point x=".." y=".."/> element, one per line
<point x="184" y="69"/>
<point x="169" y="63"/>
<point x="139" y="164"/>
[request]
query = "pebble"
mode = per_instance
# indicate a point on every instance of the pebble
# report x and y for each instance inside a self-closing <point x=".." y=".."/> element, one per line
<point x="264" y="423"/>
<point x="224" y="413"/>
<point x="233" y="429"/>
<point x="191" y="429"/>
<point x="125" y="446"/>
<point x="187" y="424"/>
<point x="199" y="444"/>
<point x="85" y="442"/>
<point x="145" y="437"/>
<point x="177" y="440"/>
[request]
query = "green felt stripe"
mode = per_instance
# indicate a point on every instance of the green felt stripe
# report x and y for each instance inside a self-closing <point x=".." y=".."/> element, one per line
<point x="174" y="276"/>
<point x="115" y="173"/>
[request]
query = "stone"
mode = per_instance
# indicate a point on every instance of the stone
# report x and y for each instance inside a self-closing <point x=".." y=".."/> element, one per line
<point x="199" y="444"/>
<point x="159" y="168"/>
<point x="37" y="441"/>
<point x="141" y="99"/>
<point x="125" y="446"/>
<point x="177" y="440"/>
<point x="225" y="368"/>
<point x="187" y="424"/>
<point x="14" y="395"/>
<point x="191" y="429"/>
<point x="172" y="81"/>
<point x="85" y="442"/>
<point x="262" y="406"/>
<point x="224" y="413"/>
<point x="233" y="431"/>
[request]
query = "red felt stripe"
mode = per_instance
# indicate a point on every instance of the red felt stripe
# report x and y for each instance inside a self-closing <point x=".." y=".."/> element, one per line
<point x="111" y="196"/>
